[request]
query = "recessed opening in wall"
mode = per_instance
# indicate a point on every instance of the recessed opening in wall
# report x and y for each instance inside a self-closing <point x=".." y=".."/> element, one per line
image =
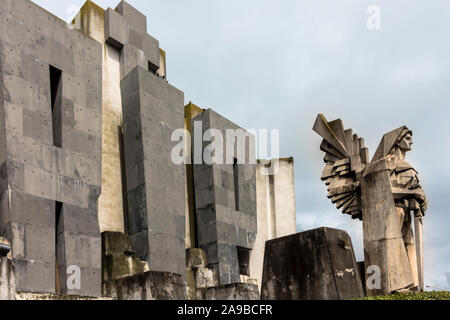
<point x="152" y="68"/>
<point x="124" y="180"/>
<point x="236" y="184"/>
<point x="56" y="104"/>
<point x="58" y="245"/>
<point x="272" y="213"/>
<point x="244" y="260"/>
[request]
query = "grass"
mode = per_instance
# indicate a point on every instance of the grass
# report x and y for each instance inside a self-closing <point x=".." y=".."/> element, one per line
<point x="431" y="295"/>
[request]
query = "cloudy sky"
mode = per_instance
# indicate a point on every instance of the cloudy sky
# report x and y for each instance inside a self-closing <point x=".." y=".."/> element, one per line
<point x="277" y="64"/>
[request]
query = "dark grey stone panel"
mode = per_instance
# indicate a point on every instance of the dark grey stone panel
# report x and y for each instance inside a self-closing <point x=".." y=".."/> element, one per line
<point x="116" y="29"/>
<point x="238" y="291"/>
<point x="39" y="173"/>
<point x="152" y="109"/>
<point x="219" y="220"/>
<point x="148" y="286"/>
<point x="313" y="265"/>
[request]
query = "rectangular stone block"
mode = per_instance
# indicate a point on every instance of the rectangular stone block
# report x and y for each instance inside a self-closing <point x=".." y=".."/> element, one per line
<point x="7" y="279"/>
<point x="82" y="251"/>
<point x="231" y="292"/>
<point x="116" y="29"/>
<point x="35" y="276"/>
<point x="132" y="16"/>
<point x="330" y="272"/>
<point x="32" y="210"/>
<point x="150" y="46"/>
<point x="130" y="58"/>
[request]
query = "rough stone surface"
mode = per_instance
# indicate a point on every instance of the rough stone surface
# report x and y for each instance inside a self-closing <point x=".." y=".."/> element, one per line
<point x="237" y="291"/>
<point x="116" y="29"/>
<point x="224" y="223"/>
<point x="148" y="286"/>
<point x="313" y="265"/>
<point x="7" y="279"/>
<point x="49" y="157"/>
<point x="26" y="296"/>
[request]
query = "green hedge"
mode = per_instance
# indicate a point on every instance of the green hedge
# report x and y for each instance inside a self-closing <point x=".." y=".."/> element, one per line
<point x="432" y="295"/>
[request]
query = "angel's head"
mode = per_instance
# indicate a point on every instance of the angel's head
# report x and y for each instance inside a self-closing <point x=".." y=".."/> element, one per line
<point x="405" y="143"/>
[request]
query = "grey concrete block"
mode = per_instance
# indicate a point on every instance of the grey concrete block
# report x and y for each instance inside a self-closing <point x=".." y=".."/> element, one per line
<point x="209" y="234"/>
<point x="32" y="210"/>
<point x="80" y="221"/>
<point x="228" y="271"/>
<point x="150" y="286"/>
<point x="116" y="29"/>
<point x="158" y="226"/>
<point x="90" y="283"/>
<point x="3" y="177"/>
<point x="150" y="46"/>
<point x="7" y="279"/>
<point x="4" y="209"/>
<point x="331" y="272"/>
<point x="137" y="210"/>
<point x="136" y="39"/>
<point x="39" y="244"/>
<point x="16" y="175"/>
<point x="82" y="251"/>
<point x="35" y="276"/>
<point x="38" y="126"/>
<point x="140" y="244"/>
<point x="132" y="16"/>
<point x="233" y="292"/>
<point x="211" y="250"/>
<point x="130" y="58"/>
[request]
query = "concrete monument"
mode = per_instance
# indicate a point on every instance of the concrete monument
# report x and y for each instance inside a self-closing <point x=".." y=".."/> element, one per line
<point x="386" y="195"/>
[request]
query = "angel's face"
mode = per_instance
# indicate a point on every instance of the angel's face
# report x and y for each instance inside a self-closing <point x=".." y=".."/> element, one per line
<point x="406" y="143"/>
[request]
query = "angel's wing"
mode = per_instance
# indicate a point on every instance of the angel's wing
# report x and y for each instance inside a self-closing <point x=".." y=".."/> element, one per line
<point x="345" y="159"/>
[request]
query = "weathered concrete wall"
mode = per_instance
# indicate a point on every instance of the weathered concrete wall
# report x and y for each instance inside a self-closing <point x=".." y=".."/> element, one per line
<point x="198" y="274"/>
<point x="275" y="209"/>
<point x="152" y="110"/>
<point x="117" y="259"/>
<point x="36" y="173"/>
<point x="235" y="291"/>
<point x="190" y="112"/>
<point x="150" y="286"/>
<point x="224" y="223"/>
<point x="110" y="204"/>
<point x="313" y="265"/>
<point x="7" y="279"/>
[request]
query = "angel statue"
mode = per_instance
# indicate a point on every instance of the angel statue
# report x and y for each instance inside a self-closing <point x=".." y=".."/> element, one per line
<point x="386" y="195"/>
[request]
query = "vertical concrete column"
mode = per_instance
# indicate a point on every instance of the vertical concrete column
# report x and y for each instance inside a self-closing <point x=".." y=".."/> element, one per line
<point x="152" y="110"/>
<point x="225" y="216"/>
